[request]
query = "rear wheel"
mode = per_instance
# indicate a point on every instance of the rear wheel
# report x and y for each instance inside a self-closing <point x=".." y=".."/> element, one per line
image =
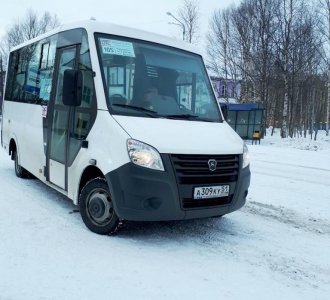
<point x="19" y="170"/>
<point x="96" y="207"/>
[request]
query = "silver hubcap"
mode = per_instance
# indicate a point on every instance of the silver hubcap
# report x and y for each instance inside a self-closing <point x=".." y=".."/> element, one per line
<point x="100" y="207"/>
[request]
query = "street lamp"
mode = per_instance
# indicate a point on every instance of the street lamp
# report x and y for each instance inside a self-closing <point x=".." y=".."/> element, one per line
<point x="180" y="24"/>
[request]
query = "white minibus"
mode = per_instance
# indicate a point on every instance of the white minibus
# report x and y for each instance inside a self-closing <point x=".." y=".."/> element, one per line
<point x="123" y="122"/>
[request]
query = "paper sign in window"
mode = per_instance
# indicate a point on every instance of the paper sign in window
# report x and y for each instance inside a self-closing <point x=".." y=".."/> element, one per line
<point x="116" y="47"/>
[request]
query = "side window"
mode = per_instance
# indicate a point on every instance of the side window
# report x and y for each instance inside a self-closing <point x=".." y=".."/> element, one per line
<point x="46" y="69"/>
<point x="12" y="68"/>
<point x="88" y="79"/>
<point x="84" y="114"/>
<point x="59" y="129"/>
<point x="31" y="71"/>
<point x="31" y="87"/>
<point x="67" y="61"/>
<point x="23" y="74"/>
<point x="44" y="56"/>
<point x="20" y="75"/>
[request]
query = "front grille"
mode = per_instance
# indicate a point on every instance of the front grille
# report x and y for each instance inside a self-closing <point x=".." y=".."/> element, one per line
<point x="193" y="171"/>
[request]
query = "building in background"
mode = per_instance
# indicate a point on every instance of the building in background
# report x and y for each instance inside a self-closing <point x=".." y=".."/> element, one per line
<point x="227" y="90"/>
<point x="244" y="118"/>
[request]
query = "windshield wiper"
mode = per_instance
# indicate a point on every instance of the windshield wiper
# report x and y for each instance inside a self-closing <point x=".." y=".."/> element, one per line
<point x="181" y="116"/>
<point x="148" y="112"/>
<point x="187" y="117"/>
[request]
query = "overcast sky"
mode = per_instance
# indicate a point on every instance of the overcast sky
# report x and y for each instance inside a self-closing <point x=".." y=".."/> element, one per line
<point x="146" y="14"/>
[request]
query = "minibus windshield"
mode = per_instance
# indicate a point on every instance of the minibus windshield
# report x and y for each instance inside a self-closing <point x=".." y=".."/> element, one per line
<point x="154" y="81"/>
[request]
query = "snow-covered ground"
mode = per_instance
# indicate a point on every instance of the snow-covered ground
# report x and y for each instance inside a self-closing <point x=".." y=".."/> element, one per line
<point x="276" y="247"/>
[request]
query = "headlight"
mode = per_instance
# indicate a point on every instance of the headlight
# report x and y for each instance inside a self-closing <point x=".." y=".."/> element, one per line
<point x="144" y="155"/>
<point x="246" y="156"/>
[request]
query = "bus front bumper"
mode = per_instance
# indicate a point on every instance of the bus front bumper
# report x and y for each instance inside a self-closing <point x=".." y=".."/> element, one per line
<point x="142" y="194"/>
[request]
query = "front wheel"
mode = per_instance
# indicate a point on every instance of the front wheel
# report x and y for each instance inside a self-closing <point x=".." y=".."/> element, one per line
<point x="96" y="207"/>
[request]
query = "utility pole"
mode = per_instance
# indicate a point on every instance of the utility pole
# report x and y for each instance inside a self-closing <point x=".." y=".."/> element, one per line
<point x="180" y="24"/>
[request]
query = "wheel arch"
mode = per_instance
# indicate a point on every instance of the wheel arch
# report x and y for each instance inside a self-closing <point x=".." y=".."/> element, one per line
<point x="90" y="172"/>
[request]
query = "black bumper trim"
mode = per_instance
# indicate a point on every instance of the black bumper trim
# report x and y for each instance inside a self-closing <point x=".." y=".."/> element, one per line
<point x="142" y="194"/>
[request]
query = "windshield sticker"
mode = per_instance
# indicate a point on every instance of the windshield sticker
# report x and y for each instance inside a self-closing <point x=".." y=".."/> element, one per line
<point x="117" y="47"/>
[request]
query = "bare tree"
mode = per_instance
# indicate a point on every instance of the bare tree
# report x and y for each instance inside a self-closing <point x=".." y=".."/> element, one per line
<point x="276" y="49"/>
<point x="325" y="31"/>
<point x="264" y="26"/>
<point x="239" y="42"/>
<point x="220" y="48"/>
<point x="189" y="15"/>
<point x="285" y="18"/>
<point x="243" y="24"/>
<point x="28" y="28"/>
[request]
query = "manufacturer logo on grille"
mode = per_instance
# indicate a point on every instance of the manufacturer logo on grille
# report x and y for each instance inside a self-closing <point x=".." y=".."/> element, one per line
<point x="212" y="164"/>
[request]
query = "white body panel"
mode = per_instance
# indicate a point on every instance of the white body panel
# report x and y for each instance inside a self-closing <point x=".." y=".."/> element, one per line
<point x="183" y="137"/>
<point x="107" y="145"/>
<point x="23" y="123"/>
<point x="57" y="173"/>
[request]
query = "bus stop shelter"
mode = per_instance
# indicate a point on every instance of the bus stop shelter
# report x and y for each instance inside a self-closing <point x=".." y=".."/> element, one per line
<point x="245" y="119"/>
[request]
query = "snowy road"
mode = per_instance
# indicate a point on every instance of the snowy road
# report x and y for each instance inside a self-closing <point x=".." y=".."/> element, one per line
<point x="276" y="247"/>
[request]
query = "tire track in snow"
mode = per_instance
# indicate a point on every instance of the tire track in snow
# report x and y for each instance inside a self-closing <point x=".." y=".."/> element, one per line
<point x="292" y="267"/>
<point x="297" y="270"/>
<point x="229" y="239"/>
<point x="288" y="216"/>
<point x="291" y="178"/>
<point x="291" y="165"/>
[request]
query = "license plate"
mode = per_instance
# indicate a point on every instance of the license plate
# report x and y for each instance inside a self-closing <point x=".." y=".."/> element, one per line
<point x="211" y="192"/>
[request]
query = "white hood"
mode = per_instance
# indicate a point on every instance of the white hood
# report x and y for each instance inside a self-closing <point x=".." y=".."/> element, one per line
<point x="183" y="137"/>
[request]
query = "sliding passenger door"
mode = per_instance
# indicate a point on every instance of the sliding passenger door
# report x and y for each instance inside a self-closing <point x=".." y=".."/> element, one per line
<point x="60" y="120"/>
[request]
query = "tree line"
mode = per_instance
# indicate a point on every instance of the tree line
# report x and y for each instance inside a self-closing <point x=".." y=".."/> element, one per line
<point x="279" y="51"/>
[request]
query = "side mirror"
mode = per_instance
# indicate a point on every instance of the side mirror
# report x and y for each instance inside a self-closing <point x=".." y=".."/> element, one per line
<point x="224" y="109"/>
<point x="72" y="87"/>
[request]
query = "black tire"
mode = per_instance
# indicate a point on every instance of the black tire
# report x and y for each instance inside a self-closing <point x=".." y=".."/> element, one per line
<point x="19" y="170"/>
<point x="96" y="207"/>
